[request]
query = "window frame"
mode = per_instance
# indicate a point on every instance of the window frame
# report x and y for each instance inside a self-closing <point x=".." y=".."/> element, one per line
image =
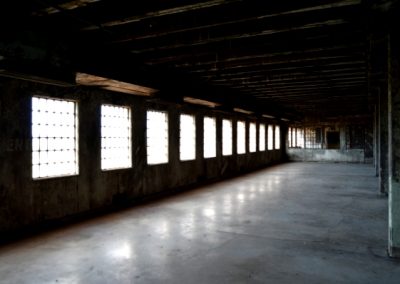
<point x="214" y="143"/>
<point x="241" y="148"/>
<point x="277" y="137"/>
<point x="166" y="139"/>
<point x="129" y="108"/>
<point x="191" y="158"/>
<point x="252" y="146"/>
<point x="224" y="138"/>
<point x="75" y="137"/>
<point x="261" y="138"/>
<point x="270" y="136"/>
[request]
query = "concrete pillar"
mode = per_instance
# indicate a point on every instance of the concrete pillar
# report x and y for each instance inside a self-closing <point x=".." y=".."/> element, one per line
<point x="375" y="142"/>
<point x="342" y="133"/>
<point x="394" y="141"/>
<point x="378" y="89"/>
<point x="383" y="140"/>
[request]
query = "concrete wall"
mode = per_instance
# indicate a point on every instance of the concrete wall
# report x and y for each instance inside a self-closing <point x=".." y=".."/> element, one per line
<point x="355" y="140"/>
<point x="27" y="202"/>
<point x="327" y="155"/>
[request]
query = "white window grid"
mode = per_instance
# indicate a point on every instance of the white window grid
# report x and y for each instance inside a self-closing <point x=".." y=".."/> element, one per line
<point x="289" y="137"/>
<point x="157" y="137"/>
<point x="299" y="132"/>
<point x="116" y="139"/>
<point x="277" y="143"/>
<point x="261" y="137"/>
<point x="226" y="137"/>
<point x="311" y="138"/>
<point x="210" y="137"/>
<point x="241" y="137"/>
<point x="187" y="137"/>
<point x="270" y="137"/>
<point x="54" y="138"/>
<point x="252" y="137"/>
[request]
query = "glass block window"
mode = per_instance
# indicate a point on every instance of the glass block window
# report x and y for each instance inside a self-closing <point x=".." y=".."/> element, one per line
<point x="54" y="138"/>
<point x="157" y="137"/>
<point x="210" y="138"/>
<point x="115" y="137"/>
<point x="226" y="137"/>
<point x="270" y="137"/>
<point x="241" y="137"/>
<point x="312" y="138"/>
<point x="252" y="137"/>
<point x="261" y="137"/>
<point x="187" y="137"/>
<point x="277" y="137"/>
<point x="299" y="137"/>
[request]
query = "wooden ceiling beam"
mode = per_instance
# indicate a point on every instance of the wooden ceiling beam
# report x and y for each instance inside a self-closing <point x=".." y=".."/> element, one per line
<point x="140" y="47"/>
<point x="294" y="79"/>
<point x="202" y="14"/>
<point x="266" y="73"/>
<point x="318" y="66"/>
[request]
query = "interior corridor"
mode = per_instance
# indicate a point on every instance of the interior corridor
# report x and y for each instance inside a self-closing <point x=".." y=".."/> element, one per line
<point x="291" y="223"/>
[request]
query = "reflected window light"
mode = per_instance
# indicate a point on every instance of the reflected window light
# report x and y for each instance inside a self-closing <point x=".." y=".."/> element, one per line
<point x="261" y="137"/>
<point x="124" y="251"/>
<point x="226" y="137"/>
<point x="240" y="197"/>
<point x="115" y="137"/>
<point x="241" y="137"/>
<point x="277" y="143"/>
<point x="157" y="137"/>
<point x="187" y="137"/>
<point x="208" y="212"/>
<point x="163" y="228"/>
<point x="252" y="137"/>
<point x="270" y="137"/>
<point x="54" y="138"/>
<point x="210" y="138"/>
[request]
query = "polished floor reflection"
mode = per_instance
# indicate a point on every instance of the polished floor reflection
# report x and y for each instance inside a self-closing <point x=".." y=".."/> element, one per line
<point x="292" y="223"/>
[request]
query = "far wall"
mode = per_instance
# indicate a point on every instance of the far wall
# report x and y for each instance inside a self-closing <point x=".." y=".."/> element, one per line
<point x="344" y="140"/>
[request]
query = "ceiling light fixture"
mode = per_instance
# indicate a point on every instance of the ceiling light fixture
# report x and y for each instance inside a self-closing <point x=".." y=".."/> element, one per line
<point x="200" y="102"/>
<point x="242" y="111"/>
<point x="268" y="116"/>
<point x="113" y="85"/>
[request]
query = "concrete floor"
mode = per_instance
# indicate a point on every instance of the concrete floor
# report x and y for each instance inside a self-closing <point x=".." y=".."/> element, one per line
<point x="292" y="223"/>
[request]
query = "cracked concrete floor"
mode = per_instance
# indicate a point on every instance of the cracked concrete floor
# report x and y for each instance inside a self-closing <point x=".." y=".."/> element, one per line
<point x="291" y="223"/>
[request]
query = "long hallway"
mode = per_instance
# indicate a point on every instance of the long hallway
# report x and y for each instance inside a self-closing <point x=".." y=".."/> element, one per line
<point x="291" y="223"/>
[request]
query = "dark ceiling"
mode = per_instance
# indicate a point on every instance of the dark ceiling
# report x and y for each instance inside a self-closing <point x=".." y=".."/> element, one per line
<point x="308" y="56"/>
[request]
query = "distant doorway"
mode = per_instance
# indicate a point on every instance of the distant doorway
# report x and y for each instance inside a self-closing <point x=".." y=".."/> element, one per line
<point x="333" y="139"/>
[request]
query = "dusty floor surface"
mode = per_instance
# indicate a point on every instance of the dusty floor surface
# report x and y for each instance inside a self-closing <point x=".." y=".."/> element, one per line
<point x="292" y="223"/>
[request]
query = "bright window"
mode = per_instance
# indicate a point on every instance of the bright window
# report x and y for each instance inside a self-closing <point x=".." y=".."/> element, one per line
<point x="115" y="137"/>
<point x="210" y="139"/>
<point x="241" y="137"/>
<point x="261" y="137"/>
<point x="54" y="138"/>
<point x="270" y="137"/>
<point x="157" y="137"/>
<point x="226" y="137"/>
<point x="252" y="137"/>
<point x="187" y="138"/>
<point x="290" y="139"/>
<point x="277" y="137"/>
<point x="299" y="137"/>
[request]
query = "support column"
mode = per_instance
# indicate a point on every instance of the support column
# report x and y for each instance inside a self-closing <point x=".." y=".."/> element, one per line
<point x="378" y="88"/>
<point x="394" y="140"/>
<point x="375" y="142"/>
<point x="383" y="139"/>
